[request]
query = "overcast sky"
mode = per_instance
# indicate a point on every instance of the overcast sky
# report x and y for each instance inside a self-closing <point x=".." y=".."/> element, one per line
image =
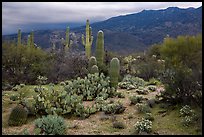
<point x="23" y="14"/>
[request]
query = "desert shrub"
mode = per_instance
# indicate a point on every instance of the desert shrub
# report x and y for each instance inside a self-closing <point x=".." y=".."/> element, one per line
<point x="131" y="82"/>
<point x="151" y="88"/>
<point x="14" y="97"/>
<point x="135" y="99"/>
<point x="6" y="86"/>
<point x="151" y="102"/>
<point x="143" y="126"/>
<point x="18" y="116"/>
<point x="120" y="95"/>
<point x="142" y="90"/>
<point x="187" y="120"/>
<point x="51" y="125"/>
<point x="186" y="111"/>
<point x="183" y="69"/>
<point x="118" y="124"/>
<point x="148" y="116"/>
<point x="15" y="88"/>
<point x="22" y="85"/>
<point x="115" y="108"/>
<point x="153" y="81"/>
<point x="143" y="108"/>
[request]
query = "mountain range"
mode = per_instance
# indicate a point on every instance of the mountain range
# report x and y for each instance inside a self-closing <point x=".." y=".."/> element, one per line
<point x="127" y="33"/>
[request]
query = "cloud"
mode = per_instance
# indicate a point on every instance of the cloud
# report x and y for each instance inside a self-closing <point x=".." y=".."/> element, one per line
<point x="16" y="14"/>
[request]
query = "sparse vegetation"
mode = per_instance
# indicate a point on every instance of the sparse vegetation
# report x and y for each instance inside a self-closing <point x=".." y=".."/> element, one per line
<point x="144" y="91"/>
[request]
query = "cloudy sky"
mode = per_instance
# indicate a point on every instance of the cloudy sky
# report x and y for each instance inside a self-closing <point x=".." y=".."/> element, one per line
<point x="32" y="15"/>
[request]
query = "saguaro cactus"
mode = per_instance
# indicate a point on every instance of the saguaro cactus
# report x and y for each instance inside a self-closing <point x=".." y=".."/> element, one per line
<point x="114" y="72"/>
<point x="19" y="37"/>
<point x="89" y="39"/>
<point x="28" y="41"/>
<point x="67" y="41"/>
<point x="92" y="61"/>
<point x="32" y="39"/>
<point x="100" y="49"/>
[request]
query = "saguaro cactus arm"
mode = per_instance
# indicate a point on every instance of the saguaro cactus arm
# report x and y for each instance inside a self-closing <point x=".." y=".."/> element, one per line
<point x="83" y="41"/>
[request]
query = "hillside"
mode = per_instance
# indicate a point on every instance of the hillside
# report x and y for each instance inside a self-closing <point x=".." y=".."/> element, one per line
<point x="129" y="33"/>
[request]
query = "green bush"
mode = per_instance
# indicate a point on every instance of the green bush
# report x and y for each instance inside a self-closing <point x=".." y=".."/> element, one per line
<point x="154" y="81"/>
<point x="143" y="108"/>
<point x="151" y="102"/>
<point x="135" y="99"/>
<point x="18" y="116"/>
<point x="15" y="88"/>
<point x="151" y="88"/>
<point x="148" y="116"/>
<point x="51" y="125"/>
<point x="183" y="69"/>
<point x="114" y="108"/>
<point x="120" y="95"/>
<point x="130" y="82"/>
<point x="143" y="126"/>
<point x="142" y="90"/>
<point x="14" y="97"/>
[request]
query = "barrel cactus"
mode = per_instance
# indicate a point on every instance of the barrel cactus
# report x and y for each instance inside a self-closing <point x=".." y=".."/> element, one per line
<point x="94" y="69"/>
<point x="114" y="72"/>
<point x="18" y="116"/>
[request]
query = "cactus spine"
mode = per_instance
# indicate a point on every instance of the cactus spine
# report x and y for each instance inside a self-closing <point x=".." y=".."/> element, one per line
<point x="18" y="116"/>
<point x="100" y="49"/>
<point x="114" y="72"/>
<point x="32" y="39"/>
<point x="19" y="37"/>
<point x="94" y="69"/>
<point x="92" y="61"/>
<point x="89" y="39"/>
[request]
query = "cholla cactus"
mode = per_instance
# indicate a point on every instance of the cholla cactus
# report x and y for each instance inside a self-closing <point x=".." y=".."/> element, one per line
<point x="89" y="40"/>
<point x="114" y="72"/>
<point x="100" y="49"/>
<point x="19" y="37"/>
